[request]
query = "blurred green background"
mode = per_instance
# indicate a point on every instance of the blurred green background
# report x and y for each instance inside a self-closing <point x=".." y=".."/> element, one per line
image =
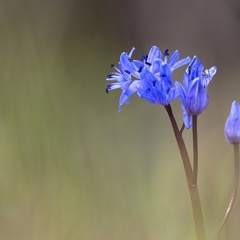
<point x="71" y="166"/>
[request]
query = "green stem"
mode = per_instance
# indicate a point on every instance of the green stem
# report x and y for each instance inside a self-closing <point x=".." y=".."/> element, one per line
<point x="235" y="187"/>
<point x="193" y="190"/>
<point x="195" y="150"/>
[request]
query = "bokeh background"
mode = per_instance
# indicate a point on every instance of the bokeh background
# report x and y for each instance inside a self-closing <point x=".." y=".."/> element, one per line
<point x="71" y="166"/>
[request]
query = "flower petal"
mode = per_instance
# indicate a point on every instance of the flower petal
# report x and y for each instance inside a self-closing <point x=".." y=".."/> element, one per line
<point x="180" y="63"/>
<point x="173" y="58"/>
<point x="181" y="92"/>
<point x="187" y="119"/>
<point x="153" y="54"/>
<point x="147" y="76"/>
<point x="128" y="65"/>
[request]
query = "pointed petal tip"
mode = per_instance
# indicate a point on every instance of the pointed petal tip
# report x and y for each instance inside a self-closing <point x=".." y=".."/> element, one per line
<point x="131" y="52"/>
<point x="213" y="70"/>
<point x="235" y="108"/>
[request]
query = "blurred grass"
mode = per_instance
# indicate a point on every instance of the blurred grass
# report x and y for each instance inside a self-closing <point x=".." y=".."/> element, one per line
<point x="72" y="167"/>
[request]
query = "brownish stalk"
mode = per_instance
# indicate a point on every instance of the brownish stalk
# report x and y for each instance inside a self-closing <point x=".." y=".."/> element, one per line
<point x="235" y="187"/>
<point x="195" y="150"/>
<point x="193" y="190"/>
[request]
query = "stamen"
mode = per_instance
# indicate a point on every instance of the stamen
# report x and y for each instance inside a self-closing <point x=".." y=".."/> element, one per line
<point x="128" y="72"/>
<point x="108" y="88"/>
<point x="140" y="69"/>
<point x="147" y="63"/>
<point x="166" y="53"/>
<point x="112" y="65"/>
<point x="144" y="57"/>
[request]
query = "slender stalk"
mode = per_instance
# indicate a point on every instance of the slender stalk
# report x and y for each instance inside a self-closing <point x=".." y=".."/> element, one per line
<point x="195" y="150"/>
<point x="235" y="187"/>
<point x="193" y="190"/>
<point x="182" y="128"/>
<point x="181" y="146"/>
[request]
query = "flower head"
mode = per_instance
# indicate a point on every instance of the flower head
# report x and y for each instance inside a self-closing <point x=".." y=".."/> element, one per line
<point x="158" y="89"/>
<point x="232" y="126"/>
<point x="126" y="69"/>
<point x="150" y="78"/>
<point x="194" y="91"/>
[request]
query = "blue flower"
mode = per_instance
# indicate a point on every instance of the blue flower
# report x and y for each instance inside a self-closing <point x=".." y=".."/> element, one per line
<point x="123" y="75"/>
<point x="150" y="78"/>
<point x="232" y="126"/>
<point x="158" y="87"/>
<point x="194" y="91"/>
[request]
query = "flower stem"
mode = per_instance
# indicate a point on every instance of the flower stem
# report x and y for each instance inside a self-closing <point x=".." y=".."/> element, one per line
<point x="195" y="150"/>
<point x="193" y="190"/>
<point x="182" y="128"/>
<point x="181" y="146"/>
<point x="235" y="187"/>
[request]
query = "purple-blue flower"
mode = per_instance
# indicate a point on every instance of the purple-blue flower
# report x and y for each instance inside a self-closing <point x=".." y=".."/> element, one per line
<point x="232" y="126"/>
<point x="194" y="91"/>
<point x="126" y="69"/>
<point x="150" y="78"/>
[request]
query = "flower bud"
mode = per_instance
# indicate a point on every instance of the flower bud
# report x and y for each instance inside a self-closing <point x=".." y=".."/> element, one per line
<point x="232" y="126"/>
<point x="194" y="91"/>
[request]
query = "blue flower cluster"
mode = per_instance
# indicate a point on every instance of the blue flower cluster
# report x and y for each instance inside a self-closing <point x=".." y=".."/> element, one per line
<point x="151" y="79"/>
